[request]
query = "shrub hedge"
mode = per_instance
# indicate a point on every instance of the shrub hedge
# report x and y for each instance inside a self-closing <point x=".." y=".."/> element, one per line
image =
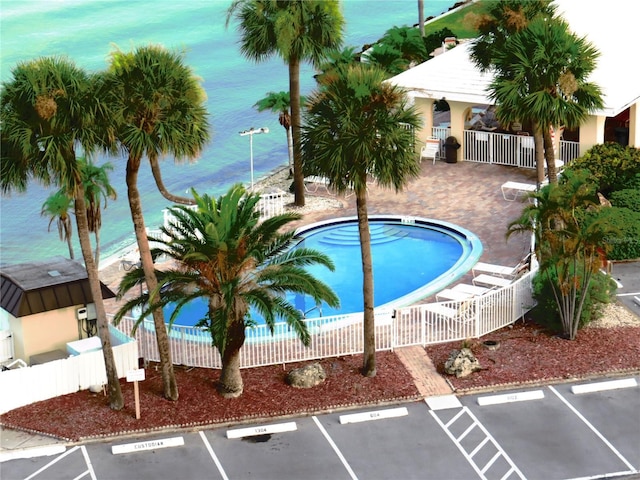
<point x="613" y="166"/>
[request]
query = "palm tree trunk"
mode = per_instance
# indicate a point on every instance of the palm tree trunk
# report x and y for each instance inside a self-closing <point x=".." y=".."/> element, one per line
<point x="157" y="176"/>
<point x="116" y="400"/>
<point x="290" y="150"/>
<point x="168" y="377"/>
<point x="230" y="384"/>
<point x="550" y="156"/>
<point x="369" y="327"/>
<point x="294" y="91"/>
<point x="96" y="235"/>
<point x="421" y="17"/>
<point x="538" y="143"/>
<point x="70" y="245"/>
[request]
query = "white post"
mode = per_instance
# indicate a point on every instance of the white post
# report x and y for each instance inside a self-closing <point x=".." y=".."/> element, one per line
<point x="251" y="132"/>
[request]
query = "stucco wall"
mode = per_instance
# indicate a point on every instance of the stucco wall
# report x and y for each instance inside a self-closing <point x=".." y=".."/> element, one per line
<point x="44" y="332"/>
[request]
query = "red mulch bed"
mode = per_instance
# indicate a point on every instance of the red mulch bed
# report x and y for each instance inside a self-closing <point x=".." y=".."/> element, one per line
<point x="84" y="414"/>
<point x="527" y="354"/>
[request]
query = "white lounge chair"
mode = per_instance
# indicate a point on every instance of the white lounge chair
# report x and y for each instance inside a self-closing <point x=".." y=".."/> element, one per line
<point x="458" y="320"/>
<point x="491" y="281"/>
<point x="313" y="182"/>
<point x="512" y="190"/>
<point x="430" y="149"/>
<point x="461" y="291"/>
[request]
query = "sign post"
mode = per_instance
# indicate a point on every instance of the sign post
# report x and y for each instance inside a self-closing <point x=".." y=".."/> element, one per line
<point x="135" y="376"/>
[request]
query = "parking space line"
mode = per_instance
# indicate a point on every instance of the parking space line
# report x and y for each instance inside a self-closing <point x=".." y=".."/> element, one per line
<point x="51" y="463"/>
<point x="87" y="460"/>
<point x="213" y="455"/>
<point x="475" y="423"/>
<point x="335" y="448"/>
<point x="594" y="430"/>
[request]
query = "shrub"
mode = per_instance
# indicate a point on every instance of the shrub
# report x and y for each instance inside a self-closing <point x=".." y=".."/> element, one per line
<point x="600" y="292"/>
<point x="627" y="198"/>
<point x="613" y="166"/>
<point x="625" y="245"/>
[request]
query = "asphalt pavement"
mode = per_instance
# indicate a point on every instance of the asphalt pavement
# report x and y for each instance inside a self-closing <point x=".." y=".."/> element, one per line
<point x="586" y="430"/>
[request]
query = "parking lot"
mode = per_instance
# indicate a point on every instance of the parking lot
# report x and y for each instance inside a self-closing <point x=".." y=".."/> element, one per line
<point x="547" y="432"/>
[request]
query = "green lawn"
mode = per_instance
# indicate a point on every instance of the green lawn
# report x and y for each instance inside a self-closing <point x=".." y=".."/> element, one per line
<point x="456" y="21"/>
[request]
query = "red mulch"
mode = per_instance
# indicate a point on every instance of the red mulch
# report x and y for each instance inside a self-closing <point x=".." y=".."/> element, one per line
<point x="84" y="414"/>
<point x="527" y="354"/>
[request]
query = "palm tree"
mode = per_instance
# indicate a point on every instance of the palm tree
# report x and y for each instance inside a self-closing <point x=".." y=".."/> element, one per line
<point x="502" y="19"/>
<point x="399" y="49"/>
<point x="357" y="126"/>
<point x="96" y="188"/>
<point x="224" y="254"/>
<point x="280" y="103"/>
<point x="570" y="228"/>
<point x="158" y="106"/>
<point x="48" y="109"/>
<point x="58" y="207"/>
<point x="541" y="75"/>
<point x="296" y="31"/>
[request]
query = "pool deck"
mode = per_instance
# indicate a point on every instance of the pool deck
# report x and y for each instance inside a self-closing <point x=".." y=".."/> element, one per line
<point x="467" y="194"/>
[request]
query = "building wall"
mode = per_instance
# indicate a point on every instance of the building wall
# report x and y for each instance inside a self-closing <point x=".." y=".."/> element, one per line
<point x="44" y="332"/>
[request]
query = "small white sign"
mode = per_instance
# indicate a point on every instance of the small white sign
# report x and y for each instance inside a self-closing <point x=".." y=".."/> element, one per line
<point x="375" y="415"/>
<point x="135" y="375"/>
<point x="262" y="430"/>
<point x="148" y="445"/>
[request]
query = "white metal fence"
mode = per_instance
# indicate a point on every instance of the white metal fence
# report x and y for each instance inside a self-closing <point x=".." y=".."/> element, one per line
<point x="342" y="334"/>
<point x="270" y="204"/>
<point x="22" y="386"/>
<point x="6" y="346"/>
<point x="502" y="148"/>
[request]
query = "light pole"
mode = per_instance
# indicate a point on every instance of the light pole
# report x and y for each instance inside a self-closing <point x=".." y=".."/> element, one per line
<point x="251" y="132"/>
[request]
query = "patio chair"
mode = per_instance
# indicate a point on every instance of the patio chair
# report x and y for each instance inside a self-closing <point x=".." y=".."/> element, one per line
<point x="461" y="291"/>
<point x="500" y="270"/>
<point x="430" y="149"/>
<point x="512" y="190"/>
<point x="457" y="320"/>
<point x="313" y="182"/>
<point x="491" y="281"/>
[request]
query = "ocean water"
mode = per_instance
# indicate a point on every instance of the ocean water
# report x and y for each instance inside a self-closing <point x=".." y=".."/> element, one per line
<point x="87" y="30"/>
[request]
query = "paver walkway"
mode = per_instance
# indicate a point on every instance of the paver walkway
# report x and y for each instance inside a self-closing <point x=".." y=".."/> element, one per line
<point x="424" y="374"/>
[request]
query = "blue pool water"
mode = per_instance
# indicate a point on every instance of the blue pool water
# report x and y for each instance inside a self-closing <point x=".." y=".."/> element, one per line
<point x="412" y="259"/>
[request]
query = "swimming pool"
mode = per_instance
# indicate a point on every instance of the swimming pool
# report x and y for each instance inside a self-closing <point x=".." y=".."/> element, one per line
<point x="413" y="258"/>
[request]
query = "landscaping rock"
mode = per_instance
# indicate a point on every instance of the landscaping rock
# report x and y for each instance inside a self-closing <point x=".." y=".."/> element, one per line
<point x="462" y="363"/>
<point x="307" y="376"/>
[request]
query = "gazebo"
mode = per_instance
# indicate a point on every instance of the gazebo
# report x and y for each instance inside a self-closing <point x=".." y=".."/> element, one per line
<point x="452" y="77"/>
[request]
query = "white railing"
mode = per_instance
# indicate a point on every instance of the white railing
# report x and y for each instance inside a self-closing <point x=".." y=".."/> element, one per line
<point x="342" y="334"/>
<point x="6" y="346"/>
<point x="61" y="377"/>
<point x="500" y="148"/>
<point x="507" y="149"/>
<point x="270" y="204"/>
<point x="569" y="151"/>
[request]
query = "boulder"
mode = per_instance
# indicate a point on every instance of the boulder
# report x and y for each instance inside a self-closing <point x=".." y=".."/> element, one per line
<point x="462" y="363"/>
<point x="307" y="376"/>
